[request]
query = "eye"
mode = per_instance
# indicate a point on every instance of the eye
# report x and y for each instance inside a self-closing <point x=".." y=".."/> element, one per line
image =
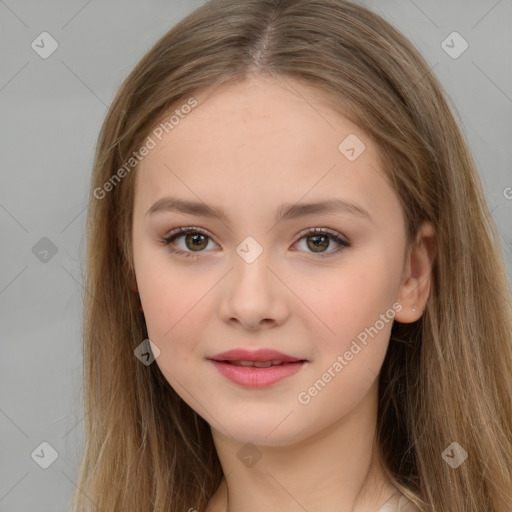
<point x="320" y="239"/>
<point x="196" y="239"/>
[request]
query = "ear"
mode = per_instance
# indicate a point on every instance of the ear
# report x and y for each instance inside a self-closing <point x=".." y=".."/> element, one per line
<point x="417" y="276"/>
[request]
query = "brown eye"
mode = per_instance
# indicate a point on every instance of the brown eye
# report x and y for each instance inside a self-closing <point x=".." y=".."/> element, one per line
<point x="318" y="242"/>
<point x="196" y="241"/>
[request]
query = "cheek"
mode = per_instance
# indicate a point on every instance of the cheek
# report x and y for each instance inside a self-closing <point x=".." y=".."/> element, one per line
<point x="178" y="304"/>
<point x="175" y="318"/>
<point x="351" y="340"/>
<point x="349" y="298"/>
<point x="167" y="297"/>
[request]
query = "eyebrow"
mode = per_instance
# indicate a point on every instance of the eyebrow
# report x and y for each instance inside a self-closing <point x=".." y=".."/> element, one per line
<point x="285" y="212"/>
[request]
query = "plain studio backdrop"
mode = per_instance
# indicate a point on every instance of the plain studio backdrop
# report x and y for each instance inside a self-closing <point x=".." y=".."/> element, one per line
<point x="61" y="65"/>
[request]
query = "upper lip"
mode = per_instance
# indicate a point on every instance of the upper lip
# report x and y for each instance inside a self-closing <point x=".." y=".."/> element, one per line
<point x="262" y="354"/>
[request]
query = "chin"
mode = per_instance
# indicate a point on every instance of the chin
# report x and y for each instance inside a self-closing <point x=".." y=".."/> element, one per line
<point x="254" y="429"/>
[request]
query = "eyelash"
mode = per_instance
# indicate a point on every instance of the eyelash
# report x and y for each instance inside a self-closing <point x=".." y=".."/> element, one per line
<point x="333" y="235"/>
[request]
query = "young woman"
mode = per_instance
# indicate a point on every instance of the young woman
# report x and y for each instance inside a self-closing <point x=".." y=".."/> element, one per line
<point x="296" y="295"/>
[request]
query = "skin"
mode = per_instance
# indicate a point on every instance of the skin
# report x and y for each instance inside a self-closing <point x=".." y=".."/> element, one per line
<point x="249" y="147"/>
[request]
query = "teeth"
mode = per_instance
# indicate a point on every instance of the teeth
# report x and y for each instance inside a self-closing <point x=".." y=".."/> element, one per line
<point x="258" y="364"/>
<point x="262" y="364"/>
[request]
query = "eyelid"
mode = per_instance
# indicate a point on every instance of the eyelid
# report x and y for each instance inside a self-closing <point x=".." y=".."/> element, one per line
<point x="175" y="232"/>
<point x="329" y="231"/>
<point x="342" y="241"/>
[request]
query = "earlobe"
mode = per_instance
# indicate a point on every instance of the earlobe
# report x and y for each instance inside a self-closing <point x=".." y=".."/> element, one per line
<point x="417" y="276"/>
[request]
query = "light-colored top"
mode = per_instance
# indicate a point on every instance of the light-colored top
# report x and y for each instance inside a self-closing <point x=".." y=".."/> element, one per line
<point x="399" y="503"/>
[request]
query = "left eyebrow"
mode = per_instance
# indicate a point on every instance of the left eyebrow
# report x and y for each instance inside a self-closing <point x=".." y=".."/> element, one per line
<point x="285" y="212"/>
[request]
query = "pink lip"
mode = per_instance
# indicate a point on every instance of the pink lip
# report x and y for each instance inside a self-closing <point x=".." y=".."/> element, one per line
<point x="251" y="376"/>
<point x="262" y="354"/>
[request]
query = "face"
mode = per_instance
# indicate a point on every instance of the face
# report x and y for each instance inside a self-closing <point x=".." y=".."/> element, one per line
<point x="318" y="285"/>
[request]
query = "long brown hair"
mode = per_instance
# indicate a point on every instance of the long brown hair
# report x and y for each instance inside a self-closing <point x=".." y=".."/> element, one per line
<point x="446" y="378"/>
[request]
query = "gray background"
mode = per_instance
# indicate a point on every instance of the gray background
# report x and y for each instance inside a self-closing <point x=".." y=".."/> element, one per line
<point x="52" y="110"/>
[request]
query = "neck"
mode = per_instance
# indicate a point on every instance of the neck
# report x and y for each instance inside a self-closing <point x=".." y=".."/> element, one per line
<point x="335" y="470"/>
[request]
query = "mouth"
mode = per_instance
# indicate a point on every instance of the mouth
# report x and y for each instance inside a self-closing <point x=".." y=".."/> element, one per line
<point x="257" y="369"/>
<point x="258" y="364"/>
<point x="262" y="358"/>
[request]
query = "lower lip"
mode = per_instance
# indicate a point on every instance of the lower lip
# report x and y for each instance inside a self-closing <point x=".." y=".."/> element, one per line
<point x="254" y="377"/>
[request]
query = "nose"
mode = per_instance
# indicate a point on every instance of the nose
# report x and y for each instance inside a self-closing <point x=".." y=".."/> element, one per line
<point x="253" y="295"/>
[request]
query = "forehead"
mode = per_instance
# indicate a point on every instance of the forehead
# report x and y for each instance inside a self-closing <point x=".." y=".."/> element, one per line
<point x="261" y="142"/>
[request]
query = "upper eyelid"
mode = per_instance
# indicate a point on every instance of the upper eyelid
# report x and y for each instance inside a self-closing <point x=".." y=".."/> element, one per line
<point x="184" y="230"/>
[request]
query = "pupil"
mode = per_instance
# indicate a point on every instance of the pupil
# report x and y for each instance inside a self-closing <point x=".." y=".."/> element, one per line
<point x="316" y="245"/>
<point x="195" y="242"/>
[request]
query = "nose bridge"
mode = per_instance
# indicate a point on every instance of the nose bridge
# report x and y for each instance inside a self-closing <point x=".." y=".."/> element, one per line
<point x="252" y="293"/>
<point x="251" y="273"/>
